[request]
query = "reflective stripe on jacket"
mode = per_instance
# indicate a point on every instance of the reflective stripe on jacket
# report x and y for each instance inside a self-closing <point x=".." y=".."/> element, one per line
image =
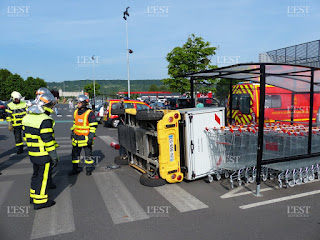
<point x="16" y="112"/>
<point x="40" y="140"/>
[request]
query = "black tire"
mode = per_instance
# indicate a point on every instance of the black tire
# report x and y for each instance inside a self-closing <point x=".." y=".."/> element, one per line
<point x="151" y="182"/>
<point x="105" y="124"/>
<point x="117" y="111"/>
<point x="149" y="115"/>
<point x="121" y="161"/>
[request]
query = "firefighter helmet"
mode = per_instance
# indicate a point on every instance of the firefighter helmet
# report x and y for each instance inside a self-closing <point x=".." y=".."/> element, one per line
<point x="83" y="99"/>
<point x="42" y="90"/>
<point x="45" y="102"/>
<point x="15" y="95"/>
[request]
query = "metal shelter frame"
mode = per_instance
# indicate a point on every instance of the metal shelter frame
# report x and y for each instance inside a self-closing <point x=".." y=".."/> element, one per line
<point x="295" y="78"/>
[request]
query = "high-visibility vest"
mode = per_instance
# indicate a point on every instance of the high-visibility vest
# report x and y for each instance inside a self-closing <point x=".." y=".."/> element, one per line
<point x="16" y="113"/>
<point x="31" y="126"/>
<point x="81" y="123"/>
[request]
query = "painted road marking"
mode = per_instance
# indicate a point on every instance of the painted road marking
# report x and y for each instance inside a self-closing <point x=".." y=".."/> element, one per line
<point x="121" y="204"/>
<point x="233" y="193"/>
<point x="180" y="198"/>
<point x="108" y="139"/>
<point x="57" y="219"/>
<point x="257" y="204"/>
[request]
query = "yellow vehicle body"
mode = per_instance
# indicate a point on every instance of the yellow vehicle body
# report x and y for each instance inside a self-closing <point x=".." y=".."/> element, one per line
<point x="169" y="147"/>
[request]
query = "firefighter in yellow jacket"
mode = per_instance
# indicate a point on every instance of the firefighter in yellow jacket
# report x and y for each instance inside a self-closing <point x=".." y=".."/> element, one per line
<point x="15" y="112"/>
<point x="82" y="134"/>
<point x="39" y="136"/>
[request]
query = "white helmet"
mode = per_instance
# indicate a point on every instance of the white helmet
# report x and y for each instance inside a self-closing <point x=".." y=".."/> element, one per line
<point x="45" y="102"/>
<point x="15" y="95"/>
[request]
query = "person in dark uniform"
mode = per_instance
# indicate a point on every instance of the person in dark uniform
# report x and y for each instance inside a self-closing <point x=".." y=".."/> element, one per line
<point x="15" y="112"/>
<point x="82" y="134"/>
<point x="120" y="105"/>
<point x="39" y="136"/>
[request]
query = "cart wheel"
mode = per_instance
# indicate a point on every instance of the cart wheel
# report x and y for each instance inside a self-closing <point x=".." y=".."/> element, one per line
<point x="280" y="184"/>
<point x="217" y="177"/>
<point x="264" y="178"/>
<point x="291" y="183"/>
<point x="239" y="182"/>
<point x="226" y="175"/>
<point x="251" y="180"/>
<point x="306" y="179"/>
<point x="209" y="179"/>
<point x="271" y="177"/>
<point x="311" y="177"/>
<point x="299" y="181"/>
<point x="151" y="182"/>
<point x="231" y="185"/>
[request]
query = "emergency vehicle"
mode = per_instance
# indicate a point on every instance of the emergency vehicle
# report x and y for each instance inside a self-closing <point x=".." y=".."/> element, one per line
<point x="280" y="105"/>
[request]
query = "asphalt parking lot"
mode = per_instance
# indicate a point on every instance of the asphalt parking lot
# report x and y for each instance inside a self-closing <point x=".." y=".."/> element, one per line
<point x="112" y="204"/>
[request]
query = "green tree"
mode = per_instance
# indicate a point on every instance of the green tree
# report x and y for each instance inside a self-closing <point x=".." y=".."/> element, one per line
<point x="153" y="88"/>
<point x="4" y="74"/>
<point x="163" y="88"/>
<point x="89" y="89"/>
<point x="195" y="55"/>
<point x="32" y="85"/>
<point x="13" y="83"/>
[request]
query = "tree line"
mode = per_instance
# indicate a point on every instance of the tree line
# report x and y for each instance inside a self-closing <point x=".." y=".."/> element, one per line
<point x="10" y="82"/>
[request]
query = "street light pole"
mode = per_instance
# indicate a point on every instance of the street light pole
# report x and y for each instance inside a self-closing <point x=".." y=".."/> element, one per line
<point x="125" y="17"/>
<point x="94" y="86"/>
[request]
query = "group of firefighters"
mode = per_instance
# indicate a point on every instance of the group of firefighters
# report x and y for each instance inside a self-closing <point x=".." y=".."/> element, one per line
<point x="33" y="122"/>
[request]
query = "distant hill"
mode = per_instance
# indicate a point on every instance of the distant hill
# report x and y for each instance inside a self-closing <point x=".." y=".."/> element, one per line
<point x="107" y="86"/>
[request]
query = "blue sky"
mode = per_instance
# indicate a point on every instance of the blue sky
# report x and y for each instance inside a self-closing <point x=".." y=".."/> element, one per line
<point x="50" y="39"/>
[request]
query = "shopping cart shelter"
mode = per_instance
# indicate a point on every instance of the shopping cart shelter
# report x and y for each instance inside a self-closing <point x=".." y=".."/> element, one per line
<point x="269" y="146"/>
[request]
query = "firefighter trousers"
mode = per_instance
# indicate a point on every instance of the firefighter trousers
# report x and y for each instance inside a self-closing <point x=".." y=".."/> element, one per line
<point x="17" y="131"/>
<point x="76" y="160"/>
<point x="39" y="183"/>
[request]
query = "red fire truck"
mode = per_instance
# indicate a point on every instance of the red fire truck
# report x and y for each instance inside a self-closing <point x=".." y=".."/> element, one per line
<point x="280" y="104"/>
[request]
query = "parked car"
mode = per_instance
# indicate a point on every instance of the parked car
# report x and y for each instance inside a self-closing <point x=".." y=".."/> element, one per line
<point x="99" y="111"/>
<point x="113" y="120"/>
<point x="178" y="103"/>
<point x="3" y="107"/>
<point x="157" y="105"/>
<point x="209" y="102"/>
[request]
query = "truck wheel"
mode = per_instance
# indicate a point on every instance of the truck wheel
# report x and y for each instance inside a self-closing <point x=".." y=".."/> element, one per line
<point x="121" y="161"/>
<point x="115" y="123"/>
<point x="151" y="182"/>
<point x="147" y="115"/>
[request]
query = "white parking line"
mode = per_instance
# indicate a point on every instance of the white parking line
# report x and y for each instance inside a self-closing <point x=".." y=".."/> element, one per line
<point x="69" y="115"/>
<point x="180" y="198"/>
<point x="122" y="206"/>
<point x="252" y="205"/>
<point x="57" y="219"/>
<point x="59" y="115"/>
